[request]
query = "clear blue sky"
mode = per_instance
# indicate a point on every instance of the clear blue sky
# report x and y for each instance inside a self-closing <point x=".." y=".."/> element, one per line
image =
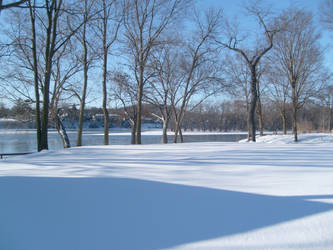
<point x="234" y="8"/>
<point x="235" y="5"/>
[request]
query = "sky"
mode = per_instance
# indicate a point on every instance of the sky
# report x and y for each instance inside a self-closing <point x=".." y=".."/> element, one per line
<point x="234" y="8"/>
<point x="237" y="4"/>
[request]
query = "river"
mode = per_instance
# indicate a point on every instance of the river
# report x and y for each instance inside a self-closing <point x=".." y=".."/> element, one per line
<point x="21" y="141"/>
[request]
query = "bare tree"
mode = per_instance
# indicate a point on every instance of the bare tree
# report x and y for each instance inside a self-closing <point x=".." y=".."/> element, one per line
<point x="298" y="57"/>
<point x="125" y="92"/>
<point x="199" y="68"/>
<point x="164" y="64"/>
<point x="253" y="57"/>
<point x="109" y="23"/>
<point x="39" y="46"/>
<point x="87" y="55"/>
<point x="65" y="67"/>
<point x="53" y="11"/>
<point x="261" y="86"/>
<point x="32" y="14"/>
<point x="25" y="59"/>
<point x="279" y="92"/>
<point x="238" y="75"/>
<point x="145" y="22"/>
<point x="326" y="99"/>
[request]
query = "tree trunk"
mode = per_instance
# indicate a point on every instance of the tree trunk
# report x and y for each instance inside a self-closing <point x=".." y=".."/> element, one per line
<point x="36" y="84"/>
<point x="84" y="90"/>
<point x="294" y="100"/>
<point x="181" y="135"/>
<point x="62" y="131"/>
<point x="179" y="120"/>
<point x="46" y="92"/>
<point x="139" y="108"/>
<point x="295" y="125"/>
<point x="284" y="122"/>
<point x="248" y="118"/>
<point x="45" y="114"/>
<point x="82" y="105"/>
<point x="80" y="126"/>
<point x="105" y="110"/>
<point x="175" y="137"/>
<point x="260" y="117"/>
<point x="253" y="104"/>
<point x="177" y="129"/>
<point x="330" y="120"/>
<point x="51" y="34"/>
<point x="165" y="134"/>
<point x="133" y="130"/>
<point x="105" y="64"/>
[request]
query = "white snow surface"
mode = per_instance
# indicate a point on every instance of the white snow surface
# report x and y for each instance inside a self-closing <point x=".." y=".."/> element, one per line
<point x="273" y="194"/>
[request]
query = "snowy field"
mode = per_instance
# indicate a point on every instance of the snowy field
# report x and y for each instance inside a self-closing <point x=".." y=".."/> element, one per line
<point x="273" y="194"/>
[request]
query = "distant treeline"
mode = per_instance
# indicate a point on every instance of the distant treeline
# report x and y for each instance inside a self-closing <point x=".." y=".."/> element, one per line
<point x="227" y="116"/>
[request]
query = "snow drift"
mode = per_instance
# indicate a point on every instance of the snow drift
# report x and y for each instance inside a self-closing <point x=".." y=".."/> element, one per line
<point x="177" y="196"/>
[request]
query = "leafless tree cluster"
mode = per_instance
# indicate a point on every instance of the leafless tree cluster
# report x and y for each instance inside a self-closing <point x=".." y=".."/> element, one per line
<point x="292" y="71"/>
<point x="298" y="63"/>
<point x="52" y="43"/>
<point x="161" y="52"/>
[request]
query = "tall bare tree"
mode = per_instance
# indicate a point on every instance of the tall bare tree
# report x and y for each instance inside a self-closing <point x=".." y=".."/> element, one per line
<point x="253" y="57"/>
<point x="125" y="92"/>
<point x="199" y="67"/>
<point x="109" y="23"/>
<point x="65" y="68"/>
<point x="53" y="11"/>
<point x="145" y="22"/>
<point x="50" y="15"/>
<point x="86" y="57"/>
<point x="238" y="75"/>
<point x="35" y="52"/>
<point x="298" y="57"/>
<point x="261" y="91"/>
<point x="279" y="91"/>
<point x="166" y="68"/>
<point x="32" y="13"/>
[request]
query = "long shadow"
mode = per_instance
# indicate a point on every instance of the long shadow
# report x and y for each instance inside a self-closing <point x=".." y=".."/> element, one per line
<point x="120" y="214"/>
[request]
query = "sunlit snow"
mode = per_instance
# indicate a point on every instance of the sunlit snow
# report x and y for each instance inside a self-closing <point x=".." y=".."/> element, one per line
<point x="273" y="194"/>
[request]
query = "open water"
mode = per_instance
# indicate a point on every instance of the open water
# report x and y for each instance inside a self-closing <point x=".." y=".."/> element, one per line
<point x="22" y="141"/>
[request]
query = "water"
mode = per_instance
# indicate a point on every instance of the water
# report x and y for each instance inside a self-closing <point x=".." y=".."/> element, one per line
<point x="21" y="141"/>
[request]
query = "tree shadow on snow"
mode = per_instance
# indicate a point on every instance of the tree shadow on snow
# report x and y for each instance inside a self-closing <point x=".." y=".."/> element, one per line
<point x="113" y="213"/>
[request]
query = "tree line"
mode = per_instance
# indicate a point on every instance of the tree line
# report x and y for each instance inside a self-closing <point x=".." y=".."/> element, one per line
<point x="165" y="53"/>
<point x="228" y="116"/>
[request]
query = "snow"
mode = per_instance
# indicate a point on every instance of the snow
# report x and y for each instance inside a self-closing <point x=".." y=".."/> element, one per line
<point x="8" y="120"/>
<point x="311" y="138"/>
<point x="151" y="131"/>
<point x="273" y="194"/>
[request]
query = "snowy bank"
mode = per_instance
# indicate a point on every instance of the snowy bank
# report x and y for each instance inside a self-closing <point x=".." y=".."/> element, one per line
<point x="177" y="196"/>
<point x="311" y="138"/>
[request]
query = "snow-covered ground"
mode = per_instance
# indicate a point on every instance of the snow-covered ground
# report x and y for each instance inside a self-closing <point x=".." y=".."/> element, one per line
<point x="159" y="132"/>
<point x="273" y="194"/>
<point x="314" y="138"/>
